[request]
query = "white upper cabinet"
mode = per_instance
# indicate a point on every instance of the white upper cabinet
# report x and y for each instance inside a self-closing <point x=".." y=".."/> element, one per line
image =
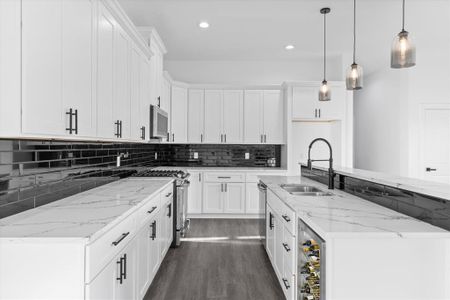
<point x="42" y="105"/>
<point x="264" y="117"/>
<point x="196" y="115"/>
<point x="213" y="116"/>
<point x="105" y="73"/>
<point x="138" y="95"/>
<point x="179" y="114"/>
<point x="233" y="117"/>
<point x="306" y="106"/>
<point x="273" y="117"/>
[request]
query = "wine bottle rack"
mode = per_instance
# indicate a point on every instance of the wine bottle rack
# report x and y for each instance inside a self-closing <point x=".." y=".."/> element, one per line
<point x="311" y="264"/>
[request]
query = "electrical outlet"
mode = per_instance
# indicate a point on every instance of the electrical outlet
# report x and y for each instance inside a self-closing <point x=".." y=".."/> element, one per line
<point x="247" y="155"/>
<point x="195" y="155"/>
<point x="156" y="155"/>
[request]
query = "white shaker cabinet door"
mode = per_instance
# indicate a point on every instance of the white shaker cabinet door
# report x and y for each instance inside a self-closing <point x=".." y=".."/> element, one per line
<point x="270" y="232"/>
<point x="196" y="116"/>
<point x="234" y="202"/>
<point x="125" y="288"/>
<point x="253" y="121"/>
<point x="78" y="59"/>
<point x="102" y="287"/>
<point x="195" y="191"/>
<point x="179" y="115"/>
<point x="213" y="197"/>
<point x="213" y="116"/>
<point x="135" y="95"/>
<point x="233" y="116"/>
<point x="42" y="105"/>
<point x="273" y="117"/>
<point x="143" y="260"/>
<point x="304" y="102"/>
<point x="252" y="204"/>
<point x="105" y="75"/>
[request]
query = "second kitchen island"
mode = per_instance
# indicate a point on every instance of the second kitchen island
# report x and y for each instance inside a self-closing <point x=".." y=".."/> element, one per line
<point x="340" y="246"/>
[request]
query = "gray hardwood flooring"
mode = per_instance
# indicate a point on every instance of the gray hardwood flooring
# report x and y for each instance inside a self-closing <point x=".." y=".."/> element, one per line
<point x="220" y="259"/>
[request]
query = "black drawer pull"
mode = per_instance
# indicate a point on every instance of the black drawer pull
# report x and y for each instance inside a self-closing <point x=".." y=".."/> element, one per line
<point x="153" y="226"/>
<point x="286" y="218"/>
<point x="286" y="283"/>
<point x="271" y="221"/>
<point x="224" y="177"/>
<point x="120" y="273"/>
<point x="117" y="242"/>
<point x="169" y="214"/>
<point x="152" y="210"/>
<point x="124" y="266"/>
<point x="168" y="195"/>
<point x="286" y="247"/>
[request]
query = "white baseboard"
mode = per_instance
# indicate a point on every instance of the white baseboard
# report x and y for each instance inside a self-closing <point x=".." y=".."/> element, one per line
<point x="224" y="216"/>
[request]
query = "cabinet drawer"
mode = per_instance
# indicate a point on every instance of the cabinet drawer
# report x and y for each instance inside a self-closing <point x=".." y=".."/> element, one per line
<point x="167" y="194"/>
<point x="105" y="248"/>
<point x="225" y="177"/>
<point x="288" y="282"/>
<point x="148" y="210"/>
<point x="288" y="218"/>
<point x="289" y="248"/>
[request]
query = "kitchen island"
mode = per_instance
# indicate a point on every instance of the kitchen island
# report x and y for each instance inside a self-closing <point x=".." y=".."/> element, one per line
<point x="104" y="243"/>
<point x="366" y="251"/>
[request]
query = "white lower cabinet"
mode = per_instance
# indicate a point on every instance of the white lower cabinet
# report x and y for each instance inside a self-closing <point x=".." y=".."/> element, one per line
<point x="281" y="244"/>
<point x="212" y="200"/>
<point x="252" y="201"/>
<point x="234" y="198"/>
<point x="224" y="197"/>
<point x="195" y="191"/>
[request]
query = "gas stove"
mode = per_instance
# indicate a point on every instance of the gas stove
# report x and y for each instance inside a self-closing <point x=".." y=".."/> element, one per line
<point x="162" y="173"/>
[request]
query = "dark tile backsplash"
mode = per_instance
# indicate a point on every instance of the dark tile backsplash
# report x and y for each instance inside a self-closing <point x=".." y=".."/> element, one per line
<point x="34" y="173"/>
<point x="426" y="208"/>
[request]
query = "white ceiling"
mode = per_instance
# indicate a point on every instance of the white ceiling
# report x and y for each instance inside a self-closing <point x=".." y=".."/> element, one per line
<point x="259" y="29"/>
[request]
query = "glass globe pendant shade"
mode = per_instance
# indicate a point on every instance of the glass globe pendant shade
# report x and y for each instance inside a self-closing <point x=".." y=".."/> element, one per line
<point x="403" y="52"/>
<point x="324" y="92"/>
<point x="354" y="79"/>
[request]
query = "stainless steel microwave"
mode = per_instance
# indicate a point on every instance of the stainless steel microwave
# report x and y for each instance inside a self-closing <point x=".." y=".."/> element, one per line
<point x="159" y="122"/>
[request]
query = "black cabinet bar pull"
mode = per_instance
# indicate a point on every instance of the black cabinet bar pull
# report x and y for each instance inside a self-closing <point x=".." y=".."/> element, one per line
<point x="152" y="210"/>
<point x="319" y="112"/>
<point x="76" y="121"/>
<point x="70" y="113"/>
<point x="265" y="138"/>
<point x="224" y="177"/>
<point x="153" y="226"/>
<point x="169" y="214"/>
<point x="286" y="218"/>
<point x="270" y="221"/>
<point x="117" y="134"/>
<point x="124" y="266"/>
<point x="120" y="128"/>
<point x="119" y="262"/>
<point x="117" y="242"/>
<point x="286" y="283"/>
<point x="286" y="247"/>
<point x="201" y="138"/>
<point x="430" y="169"/>
<point x="168" y="137"/>
<point x="225" y="137"/>
<point x="168" y="195"/>
<point x="173" y="137"/>
<point x="261" y="138"/>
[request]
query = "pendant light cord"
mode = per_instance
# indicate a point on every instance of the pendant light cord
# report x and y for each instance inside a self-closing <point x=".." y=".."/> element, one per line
<point x="403" y="18"/>
<point x="354" y="31"/>
<point x="324" y="46"/>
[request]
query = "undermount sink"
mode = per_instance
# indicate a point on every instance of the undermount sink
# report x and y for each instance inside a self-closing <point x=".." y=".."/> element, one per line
<point x="303" y="190"/>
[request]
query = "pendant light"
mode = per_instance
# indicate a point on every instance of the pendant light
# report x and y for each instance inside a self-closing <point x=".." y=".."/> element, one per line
<point x="324" y="91"/>
<point x="403" y="52"/>
<point x="354" y="80"/>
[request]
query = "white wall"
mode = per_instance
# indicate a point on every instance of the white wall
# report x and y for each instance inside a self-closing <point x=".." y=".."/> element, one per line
<point x="253" y="72"/>
<point x="387" y="110"/>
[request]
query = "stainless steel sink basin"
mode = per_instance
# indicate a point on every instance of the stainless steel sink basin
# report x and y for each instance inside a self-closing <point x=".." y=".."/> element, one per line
<point x="304" y="190"/>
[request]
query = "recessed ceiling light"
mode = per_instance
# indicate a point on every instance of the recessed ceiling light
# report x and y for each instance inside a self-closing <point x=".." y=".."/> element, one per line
<point x="203" y="25"/>
<point x="289" y="47"/>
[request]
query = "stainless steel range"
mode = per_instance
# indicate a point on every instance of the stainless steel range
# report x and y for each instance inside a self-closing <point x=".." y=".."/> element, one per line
<point x="180" y="190"/>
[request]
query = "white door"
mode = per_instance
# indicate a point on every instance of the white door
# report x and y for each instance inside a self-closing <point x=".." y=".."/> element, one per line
<point x="121" y="105"/>
<point x="102" y="287"/>
<point x="179" y="115"/>
<point x="273" y="117"/>
<point x="125" y="289"/>
<point x="195" y="193"/>
<point x="305" y="102"/>
<point x="253" y="121"/>
<point x="77" y="64"/>
<point x="135" y="94"/>
<point x="234" y="200"/>
<point x="213" y="197"/>
<point x="42" y="105"/>
<point x="252" y="205"/>
<point x="154" y="246"/>
<point x="213" y="116"/>
<point x="105" y="75"/>
<point x="233" y="116"/>
<point x="195" y="116"/>
<point x="436" y="144"/>
<point x="270" y="233"/>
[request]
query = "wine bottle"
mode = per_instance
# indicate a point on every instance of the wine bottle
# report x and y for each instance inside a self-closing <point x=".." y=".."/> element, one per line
<point x="307" y="269"/>
<point x="314" y="253"/>
<point x="309" y="243"/>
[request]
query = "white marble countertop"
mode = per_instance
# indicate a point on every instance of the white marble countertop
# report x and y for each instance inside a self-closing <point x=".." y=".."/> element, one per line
<point x="230" y="169"/>
<point x="430" y="188"/>
<point x="343" y="215"/>
<point x="86" y="215"/>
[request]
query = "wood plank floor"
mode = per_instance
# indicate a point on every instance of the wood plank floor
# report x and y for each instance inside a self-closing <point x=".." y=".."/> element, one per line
<point x="220" y="259"/>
